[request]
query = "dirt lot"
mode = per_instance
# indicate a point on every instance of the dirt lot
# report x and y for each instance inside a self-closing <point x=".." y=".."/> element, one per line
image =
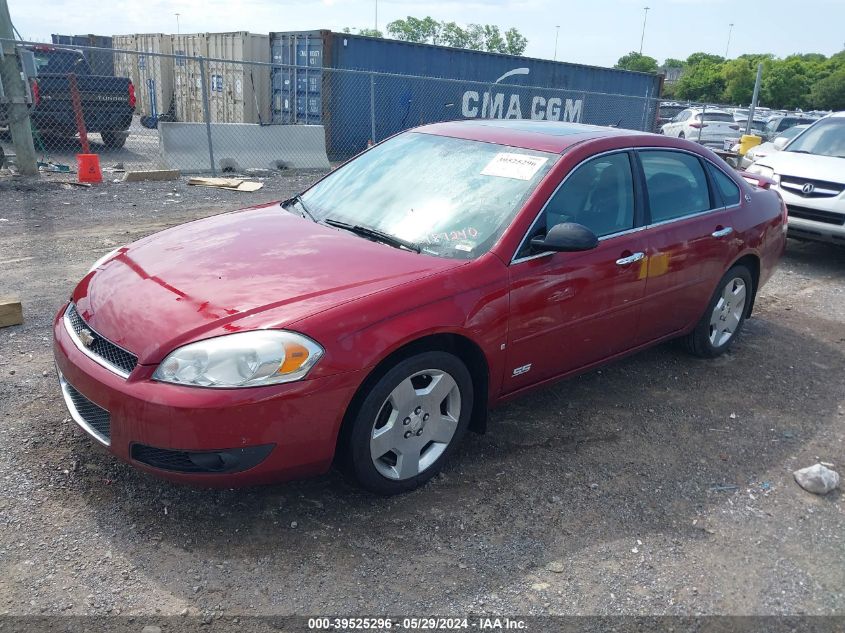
<point x="610" y="493"/>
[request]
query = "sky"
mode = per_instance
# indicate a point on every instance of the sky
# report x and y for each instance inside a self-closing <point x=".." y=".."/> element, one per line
<point x="595" y="32"/>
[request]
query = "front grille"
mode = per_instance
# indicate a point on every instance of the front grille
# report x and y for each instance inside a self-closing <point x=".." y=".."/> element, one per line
<point x="821" y="188"/>
<point x="827" y="217"/>
<point x="101" y="349"/>
<point x="96" y="418"/>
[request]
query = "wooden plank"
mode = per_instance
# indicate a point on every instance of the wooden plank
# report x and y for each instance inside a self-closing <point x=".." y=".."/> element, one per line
<point x="153" y="174"/>
<point x="229" y="184"/>
<point x="11" y="312"/>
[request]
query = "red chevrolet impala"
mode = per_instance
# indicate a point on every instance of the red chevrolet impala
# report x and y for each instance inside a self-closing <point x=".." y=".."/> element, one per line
<point x="374" y="318"/>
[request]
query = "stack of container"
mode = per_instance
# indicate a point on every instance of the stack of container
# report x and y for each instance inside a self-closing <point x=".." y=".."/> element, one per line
<point x="101" y="62"/>
<point x="187" y="82"/>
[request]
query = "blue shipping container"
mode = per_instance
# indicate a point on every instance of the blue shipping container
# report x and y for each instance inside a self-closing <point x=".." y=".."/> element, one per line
<point x="421" y="83"/>
<point x="101" y="62"/>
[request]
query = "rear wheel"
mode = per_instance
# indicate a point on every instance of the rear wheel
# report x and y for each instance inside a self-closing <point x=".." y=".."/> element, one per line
<point x="410" y="422"/>
<point x="681" y="135"/>
<point x="115" y="139"/>
<point x="725" y="315"/>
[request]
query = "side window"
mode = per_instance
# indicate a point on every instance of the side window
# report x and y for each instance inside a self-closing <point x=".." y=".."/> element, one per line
<point x="599" y="194"/>
<point x="676" y="184"/>
<point x="727" y="187"/>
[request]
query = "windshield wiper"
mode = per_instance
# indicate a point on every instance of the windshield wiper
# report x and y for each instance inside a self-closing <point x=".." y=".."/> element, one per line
<point x="375" y="234"/>
<point x="305" y="212"/>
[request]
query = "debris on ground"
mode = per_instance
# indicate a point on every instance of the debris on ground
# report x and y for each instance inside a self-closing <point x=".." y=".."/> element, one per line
<point x="151" y="174"/>
<point x="231" y="184"/>
<point x="11" y="312"/>
<point x="817" y="479"/>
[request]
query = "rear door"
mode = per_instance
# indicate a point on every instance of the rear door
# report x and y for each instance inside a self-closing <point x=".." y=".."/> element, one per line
<point x="570" y="310"/>
<point x="691" y="239"/>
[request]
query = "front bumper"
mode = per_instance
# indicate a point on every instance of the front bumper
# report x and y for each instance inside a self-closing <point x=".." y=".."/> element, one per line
<point x="817" y="219"/>
<point x="244" y="436"/>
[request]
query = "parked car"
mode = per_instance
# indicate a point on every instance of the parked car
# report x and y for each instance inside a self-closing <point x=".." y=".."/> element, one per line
<point x="776" y="125"/>
<point x="666" y="112"/>
<point x="810" y="175"/>
<point x="764" y="149"/>
<point x="108" y="103"/>
<point x="758" y="125"/>
<point x="705" y="126"/>
<point x="375" y="317"/>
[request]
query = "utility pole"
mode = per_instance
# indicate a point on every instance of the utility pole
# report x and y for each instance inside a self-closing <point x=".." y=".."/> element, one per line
<point x="557" y="34"/>
<point x="753" y="107"/>
<point x="642" y="38"/>
<point x="376" y="15"/>
<point x="15" y="97"/>
<point x="730" y="32"/>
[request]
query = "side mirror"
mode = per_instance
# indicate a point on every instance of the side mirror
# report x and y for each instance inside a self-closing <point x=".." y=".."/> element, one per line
<point x="781" y="142"/>
<point x="567" y="237"/>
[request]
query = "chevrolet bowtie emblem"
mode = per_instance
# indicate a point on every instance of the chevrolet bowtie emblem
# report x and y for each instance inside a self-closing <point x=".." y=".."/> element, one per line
<point x="86" y="337"/>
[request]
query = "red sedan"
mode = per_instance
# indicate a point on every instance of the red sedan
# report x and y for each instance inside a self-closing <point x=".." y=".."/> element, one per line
<point x="375" y="317"/>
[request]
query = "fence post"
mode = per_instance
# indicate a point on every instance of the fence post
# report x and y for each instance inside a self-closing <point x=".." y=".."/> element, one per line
<point x="206" y="113"/>
<point x="373" y="108"/>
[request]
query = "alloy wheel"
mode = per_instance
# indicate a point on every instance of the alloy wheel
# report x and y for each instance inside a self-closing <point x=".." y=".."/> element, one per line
<point x="727" y="313"/>
<point x="415" y="424"/>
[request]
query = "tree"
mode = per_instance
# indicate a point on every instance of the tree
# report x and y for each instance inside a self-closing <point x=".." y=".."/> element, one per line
<point x="702" y="81"/>
<point x="671" y="62"/>
<point x="515" y="42"/>
<point x="697" y="58"/>
<point x="482" y="37"/>
<point x="786" y="84"/>
<point x="365" y="32"/>
<point x="829" y="93"/>
<point x="637" y="61"/>
<point x="739" y="76"/>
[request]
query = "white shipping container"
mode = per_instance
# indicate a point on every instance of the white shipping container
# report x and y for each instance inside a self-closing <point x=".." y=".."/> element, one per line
<point x="239" y="92"/>
<point x="151" y="74"/>
<point x="155" y="74"/>
<point x="126" y="65"/>
<point x="187" y="84"/>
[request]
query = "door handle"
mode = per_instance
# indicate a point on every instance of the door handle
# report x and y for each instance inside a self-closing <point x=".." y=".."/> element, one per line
<point x="723" y="232"/>
<point x="626" y="261"/>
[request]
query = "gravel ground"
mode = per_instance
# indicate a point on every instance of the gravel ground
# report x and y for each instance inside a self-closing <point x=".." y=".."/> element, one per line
<point x="658" y="485"/>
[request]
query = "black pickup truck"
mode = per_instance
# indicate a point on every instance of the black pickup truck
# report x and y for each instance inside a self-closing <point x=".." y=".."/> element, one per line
<point x="108" y="103"/>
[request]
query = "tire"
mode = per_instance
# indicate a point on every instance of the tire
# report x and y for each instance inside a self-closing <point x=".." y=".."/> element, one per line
<point x="400" y="436"/>
<point x="724" y="317"/>
<point x="114" y="140"/>
<point x="681" y="135"/>
<point x="2" y="158"/>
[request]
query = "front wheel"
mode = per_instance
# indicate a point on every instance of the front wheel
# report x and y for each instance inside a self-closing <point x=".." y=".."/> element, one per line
<point x="410" y="422"/>
<point x="725" y="315"/>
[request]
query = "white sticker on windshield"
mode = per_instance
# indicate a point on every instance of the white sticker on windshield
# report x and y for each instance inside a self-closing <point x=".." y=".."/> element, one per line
<point x="517" y="166"/>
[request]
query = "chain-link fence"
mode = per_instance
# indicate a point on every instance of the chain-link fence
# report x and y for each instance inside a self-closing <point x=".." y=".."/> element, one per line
<point x="203" y="115"/>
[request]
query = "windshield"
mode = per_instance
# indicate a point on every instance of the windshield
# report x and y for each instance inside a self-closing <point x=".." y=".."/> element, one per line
<point x="451" y="197"/>
<point x="826" y="138"/>
<point x="793" y="131"/>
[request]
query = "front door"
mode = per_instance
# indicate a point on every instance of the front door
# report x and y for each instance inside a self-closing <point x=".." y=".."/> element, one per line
<point x="571" y="310"/>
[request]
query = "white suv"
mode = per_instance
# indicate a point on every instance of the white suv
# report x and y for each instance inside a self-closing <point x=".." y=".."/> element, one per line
<point x="706" y="126"/>
<point x="810" y="175"/>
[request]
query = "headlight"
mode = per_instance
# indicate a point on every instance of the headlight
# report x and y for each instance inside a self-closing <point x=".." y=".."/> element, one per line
<point x="246" y="359"/>
<point x="102" y="260"/>
<point x="762" y="170"/>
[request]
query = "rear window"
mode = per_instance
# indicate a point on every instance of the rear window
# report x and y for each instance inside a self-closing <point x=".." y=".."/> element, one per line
<point x="676" y="184"/>
<point x="726" y="187"/>
<point x="715" y="116"/>
<point x="60" y="62"/>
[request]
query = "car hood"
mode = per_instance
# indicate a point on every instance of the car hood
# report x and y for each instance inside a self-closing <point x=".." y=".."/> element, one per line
<point x="246" y="270"/>
<point x="810" y="166"/>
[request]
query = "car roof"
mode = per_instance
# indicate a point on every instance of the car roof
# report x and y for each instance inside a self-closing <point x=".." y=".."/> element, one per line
<point x="544" y="136"/>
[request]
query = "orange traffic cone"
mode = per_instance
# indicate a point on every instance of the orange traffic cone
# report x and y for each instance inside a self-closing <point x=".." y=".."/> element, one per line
<point x="89" y="168"/>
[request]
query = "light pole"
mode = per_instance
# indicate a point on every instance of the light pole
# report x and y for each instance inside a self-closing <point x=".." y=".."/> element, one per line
<point x="557" y="34"/>
<point x="642" y="38"/>
<point x="730" y="32"/>
<point x="178" y="32"/>
<point x="376" y="15"/>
